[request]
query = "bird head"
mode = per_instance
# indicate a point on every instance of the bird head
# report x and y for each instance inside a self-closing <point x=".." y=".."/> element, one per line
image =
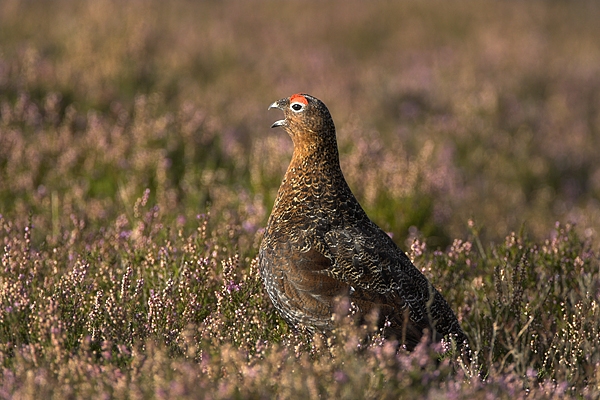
<point x="307" y="120"/>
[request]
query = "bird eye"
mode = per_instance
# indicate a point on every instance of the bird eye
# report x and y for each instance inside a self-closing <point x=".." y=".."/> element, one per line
<point x="297" y="107"/>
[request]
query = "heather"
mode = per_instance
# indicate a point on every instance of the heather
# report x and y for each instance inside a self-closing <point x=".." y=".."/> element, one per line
<point x="137" y="170"/>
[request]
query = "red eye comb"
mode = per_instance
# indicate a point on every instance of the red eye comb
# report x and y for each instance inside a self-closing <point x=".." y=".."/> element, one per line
<point x="298" y="98"/>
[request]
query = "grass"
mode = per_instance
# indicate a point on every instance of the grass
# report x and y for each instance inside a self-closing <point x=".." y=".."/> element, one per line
<point x="137" y="171"/>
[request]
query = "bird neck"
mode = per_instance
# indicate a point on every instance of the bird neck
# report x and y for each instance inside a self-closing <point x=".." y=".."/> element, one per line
<point x="314" y="159"/>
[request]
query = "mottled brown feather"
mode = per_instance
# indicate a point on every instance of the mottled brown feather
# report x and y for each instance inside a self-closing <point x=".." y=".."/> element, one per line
<point x="319" y="244"/>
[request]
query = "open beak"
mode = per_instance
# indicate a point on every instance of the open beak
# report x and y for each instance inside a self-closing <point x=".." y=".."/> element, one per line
<point x="281" y="122"/>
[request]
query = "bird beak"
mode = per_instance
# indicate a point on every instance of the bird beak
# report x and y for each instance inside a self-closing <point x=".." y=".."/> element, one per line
<point x="276" y="105"/>
<point x="281" y="122"/>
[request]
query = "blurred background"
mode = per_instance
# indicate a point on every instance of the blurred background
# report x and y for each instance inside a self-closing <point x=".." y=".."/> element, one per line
<point x="446" y="112"/>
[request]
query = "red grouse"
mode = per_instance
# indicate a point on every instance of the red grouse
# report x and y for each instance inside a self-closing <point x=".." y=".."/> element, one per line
<point x="319" y="244"/>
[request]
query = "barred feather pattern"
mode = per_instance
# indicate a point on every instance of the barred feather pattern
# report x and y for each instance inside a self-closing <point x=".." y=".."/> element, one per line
<point x="319" y="244"/>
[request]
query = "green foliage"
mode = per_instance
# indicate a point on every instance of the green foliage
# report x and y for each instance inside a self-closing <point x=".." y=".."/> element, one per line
<point x="137" y="170"/>
<point x="154" y="299"/>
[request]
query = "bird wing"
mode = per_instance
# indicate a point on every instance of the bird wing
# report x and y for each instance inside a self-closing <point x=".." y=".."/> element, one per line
<point x="383" y="275"/>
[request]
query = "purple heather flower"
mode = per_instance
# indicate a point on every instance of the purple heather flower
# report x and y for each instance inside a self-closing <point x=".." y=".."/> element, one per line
<point x="249" y="226"/>
<point x="340" y="376"/>
<point x="232" y="286"/>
